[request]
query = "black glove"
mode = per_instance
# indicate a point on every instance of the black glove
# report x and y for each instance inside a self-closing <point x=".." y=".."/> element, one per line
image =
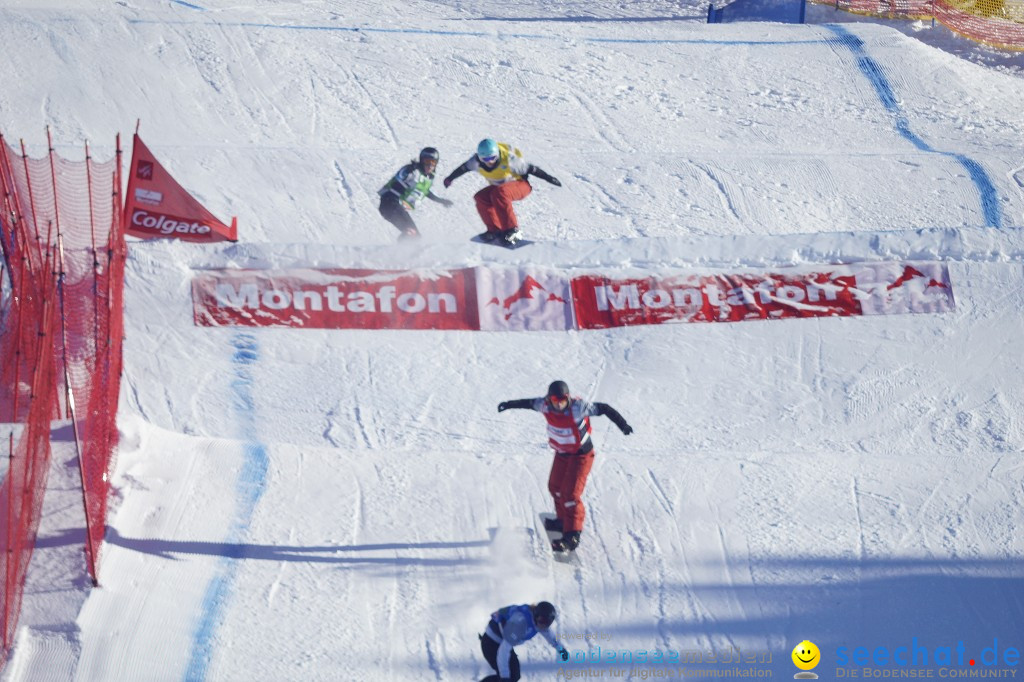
<point x="626" y="429"/>
<point x="543" y="175"/>
<point x="447" y="183"/>
<point x="563" y="653"/>
<point x="502" y="407"/>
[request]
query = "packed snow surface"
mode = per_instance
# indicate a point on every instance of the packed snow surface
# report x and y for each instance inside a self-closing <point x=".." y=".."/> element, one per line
<point x="296" y="504"/>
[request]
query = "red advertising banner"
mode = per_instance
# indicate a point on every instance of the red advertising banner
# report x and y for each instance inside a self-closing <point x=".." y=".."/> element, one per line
<point x="531" y="299"/>
<point x="157" y="207"/>
<point x="336" y="299"/>
<point x="844" y="290"/>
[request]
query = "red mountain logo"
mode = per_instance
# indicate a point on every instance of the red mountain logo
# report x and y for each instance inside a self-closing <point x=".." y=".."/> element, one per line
<point x="909" y="273"/>
<point x="529" y="290"/>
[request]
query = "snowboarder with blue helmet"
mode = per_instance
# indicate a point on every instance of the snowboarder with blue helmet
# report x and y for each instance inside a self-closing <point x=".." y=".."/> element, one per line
<point x="511" y="626"/>
<point x="507" y="174"/>
<point x="411" y="183"/>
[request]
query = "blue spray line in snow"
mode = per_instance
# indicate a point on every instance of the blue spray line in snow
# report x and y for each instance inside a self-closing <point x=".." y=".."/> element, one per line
<point x="189" y="5"/>
<point x="870" y="68"/>
<point x="248" y="491"/>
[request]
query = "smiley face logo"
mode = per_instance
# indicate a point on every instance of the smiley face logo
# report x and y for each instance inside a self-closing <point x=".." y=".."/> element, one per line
<point x="806" y="655"/>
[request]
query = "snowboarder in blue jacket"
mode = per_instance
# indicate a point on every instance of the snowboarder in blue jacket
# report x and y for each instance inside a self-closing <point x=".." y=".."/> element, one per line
<point x="513" y="625"/>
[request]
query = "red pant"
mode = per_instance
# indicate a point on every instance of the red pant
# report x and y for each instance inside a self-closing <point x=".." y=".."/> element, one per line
<point x="566" y="482"/>
<point x="494" y="204"/>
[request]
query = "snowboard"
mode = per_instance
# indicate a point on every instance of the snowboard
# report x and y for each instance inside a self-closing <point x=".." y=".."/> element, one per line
<point x="518" y="244"/>
<point x="566" y="557"/>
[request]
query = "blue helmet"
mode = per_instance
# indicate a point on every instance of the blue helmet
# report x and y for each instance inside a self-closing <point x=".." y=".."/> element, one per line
<point x="487" y="148"/>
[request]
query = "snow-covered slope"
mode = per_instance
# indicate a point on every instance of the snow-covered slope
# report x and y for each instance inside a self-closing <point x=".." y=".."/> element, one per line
<point x="348" y="505"/>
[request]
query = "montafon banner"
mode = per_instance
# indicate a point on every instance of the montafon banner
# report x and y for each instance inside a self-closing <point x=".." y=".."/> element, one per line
<point x="503" y="298"/>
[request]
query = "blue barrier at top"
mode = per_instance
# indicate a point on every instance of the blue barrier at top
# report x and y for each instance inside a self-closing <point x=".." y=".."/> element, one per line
<point x="783" y="11"/>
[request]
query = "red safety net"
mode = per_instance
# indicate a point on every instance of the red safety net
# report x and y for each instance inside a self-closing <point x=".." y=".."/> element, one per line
<point x="62" y="230"/>
<point x="29" y="335"/>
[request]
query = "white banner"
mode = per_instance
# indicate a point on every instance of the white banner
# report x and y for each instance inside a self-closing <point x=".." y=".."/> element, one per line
<point x="895" y="288"/>
<point x="524" y="300"/>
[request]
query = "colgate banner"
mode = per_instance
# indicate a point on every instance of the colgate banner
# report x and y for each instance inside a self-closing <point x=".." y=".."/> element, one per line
<point x="158" y="207"/>
<point x="336" y="299"/>
<point x="862" y="289"/>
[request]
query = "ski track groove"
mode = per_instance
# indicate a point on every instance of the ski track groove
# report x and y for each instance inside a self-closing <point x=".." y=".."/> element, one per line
<point x="358" y="511"/>
<point x="255" y="63"/>
<point x="662" y="615"/>
<point x="345" y="187"/>
<point x="357" y="81"/>
<point x="601" y="124"/>
<point x="669" y="508"/>
<point x="644" y="557"/>
<point x="314" y="115"/>
<point x="727" y="567"/>
<point x="432" y="662"/>
<point x="723" y="193"/>
<point x="855" y="494"/>
<point x="659" y="494"/>
<point x="363" y="432"/>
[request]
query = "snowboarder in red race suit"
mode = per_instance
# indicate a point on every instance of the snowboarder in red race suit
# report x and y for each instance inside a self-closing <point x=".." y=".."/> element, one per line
<point x="569" y="430"/>
<point x="507" y="174"/>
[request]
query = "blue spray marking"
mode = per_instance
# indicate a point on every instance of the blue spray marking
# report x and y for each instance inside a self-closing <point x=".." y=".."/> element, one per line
<point x="869" y="67"/>
<point x="189" y="5"/>
<point x="248" y="490"/>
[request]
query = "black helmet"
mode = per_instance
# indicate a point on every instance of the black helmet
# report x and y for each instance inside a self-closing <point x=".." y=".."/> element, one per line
<point x="544" y="614"/>
<point x="429" y="153"/>
<point x="558" y="389"/>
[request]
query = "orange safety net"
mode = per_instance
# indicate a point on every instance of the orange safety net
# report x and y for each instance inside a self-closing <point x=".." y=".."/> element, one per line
<point x="999" y="23"/>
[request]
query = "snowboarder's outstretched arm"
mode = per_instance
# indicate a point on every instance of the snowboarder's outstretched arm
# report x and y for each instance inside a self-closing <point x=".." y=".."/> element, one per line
<point x="563" y="653"/>
<point x="613" y="414"/>
<point x="447" y="203"/>
<point x="461" y="170"/>
<point x="521" y="404"/>
<point x="539" y="172"/>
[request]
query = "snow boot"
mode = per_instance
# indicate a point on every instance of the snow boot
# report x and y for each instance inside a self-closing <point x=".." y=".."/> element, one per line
<point x="568" y="542"/>
<point x="511" y="236"/>
<point x="553" y="525"/>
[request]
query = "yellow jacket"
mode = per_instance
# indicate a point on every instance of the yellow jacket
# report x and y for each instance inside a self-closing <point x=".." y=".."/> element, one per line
<point x="511" y="166"/>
